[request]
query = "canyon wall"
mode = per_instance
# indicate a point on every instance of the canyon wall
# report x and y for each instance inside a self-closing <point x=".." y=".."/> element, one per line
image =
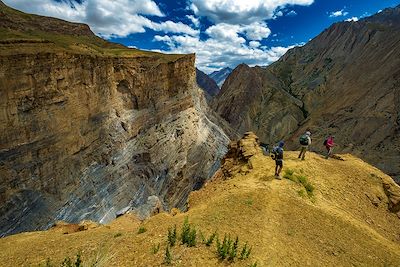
<point x="83" y="136"/>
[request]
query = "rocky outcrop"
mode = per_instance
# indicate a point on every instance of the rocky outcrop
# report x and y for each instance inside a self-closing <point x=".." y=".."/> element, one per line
<point x="207" y="84"/>
<point x="83" y="136"/>
<point x="238" y="157"/>
<point x="344" y="82"/>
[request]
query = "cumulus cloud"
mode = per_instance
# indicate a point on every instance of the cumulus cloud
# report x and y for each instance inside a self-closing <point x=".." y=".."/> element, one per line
<point x="213" y="54"/>
<point x="292" y="13"/>
<point x="338" y="13"/>
<point x="107" y="18"/>
<point x="241" y="12"/>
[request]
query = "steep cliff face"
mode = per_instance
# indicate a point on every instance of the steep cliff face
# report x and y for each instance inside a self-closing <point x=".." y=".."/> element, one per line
<point x="84" y="135"/>
<point x="344" y="82"/>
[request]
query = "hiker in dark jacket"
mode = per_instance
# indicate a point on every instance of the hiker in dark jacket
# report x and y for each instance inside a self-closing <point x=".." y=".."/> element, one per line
<point x="305" y="141"/>
<point x="278" y="152"/>
<point x="329" y="143"/>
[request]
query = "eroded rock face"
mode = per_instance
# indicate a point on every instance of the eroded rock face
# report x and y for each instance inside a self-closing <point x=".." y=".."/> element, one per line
<point x="82" y="137"/>
<point x="238" y="157"/>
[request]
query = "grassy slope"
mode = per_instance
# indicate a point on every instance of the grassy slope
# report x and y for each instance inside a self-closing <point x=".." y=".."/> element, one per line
<point x="338" y="226"/>
<point x="26" y="37"/>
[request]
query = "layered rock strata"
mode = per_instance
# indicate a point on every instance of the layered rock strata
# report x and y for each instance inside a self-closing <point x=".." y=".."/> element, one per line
<point x="83" y="135"/>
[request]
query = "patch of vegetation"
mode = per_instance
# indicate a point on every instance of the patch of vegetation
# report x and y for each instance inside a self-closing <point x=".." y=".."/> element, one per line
<point x="172" y="236"/>
<point x="168" y="256"/>
<point x="141" y="230"/>
<point x="228" y="249"/>
<point x="155" y="248"/>
<point x="246" y="250"/>
<point x="248" y="202"/>
<point x="189" y="234"/>
<point x="300" y="179"/>
<point x="253" y="265"/>
<point x="210" y="240"/>
<point x="117" y="235"/>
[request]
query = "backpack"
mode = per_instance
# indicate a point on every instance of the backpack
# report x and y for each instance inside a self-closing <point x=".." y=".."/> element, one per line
<point x="325" y="141"/>
<point x="303" y="140"/>
<point x="277" y="153"/>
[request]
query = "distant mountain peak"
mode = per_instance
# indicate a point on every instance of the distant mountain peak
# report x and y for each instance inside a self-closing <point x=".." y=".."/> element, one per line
<point x="220" y="76"/>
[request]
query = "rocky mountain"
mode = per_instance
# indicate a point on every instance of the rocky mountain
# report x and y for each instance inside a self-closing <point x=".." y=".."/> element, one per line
<point x="344" y="82"/>
<point x="220" y="76"/>
<point x="324" y="213"/>
<point x="207" y="84"/>
<point x="89" y="129"/>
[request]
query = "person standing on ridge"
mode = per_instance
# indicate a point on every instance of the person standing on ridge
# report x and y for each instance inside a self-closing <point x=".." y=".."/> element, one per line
<point x="278" y="156"/>
<point x="329" y="143"/>
<point x="305" y="141"/>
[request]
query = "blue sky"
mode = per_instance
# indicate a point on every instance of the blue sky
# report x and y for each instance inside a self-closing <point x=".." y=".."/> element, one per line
<point x="221" y="32"/>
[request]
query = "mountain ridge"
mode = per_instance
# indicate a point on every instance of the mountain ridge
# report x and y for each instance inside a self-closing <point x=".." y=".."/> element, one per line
<point x="341" y="61"/>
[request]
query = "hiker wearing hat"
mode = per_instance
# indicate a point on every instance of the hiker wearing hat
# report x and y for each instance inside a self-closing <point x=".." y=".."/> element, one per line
<point x="329" y="143"/>
<point x="305" y="141"/>
<point x="278" y="157"/>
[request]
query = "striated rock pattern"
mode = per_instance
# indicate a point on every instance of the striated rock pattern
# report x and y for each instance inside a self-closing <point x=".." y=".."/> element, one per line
<point x="85" y="136"/>
<point x="345" y="82"/>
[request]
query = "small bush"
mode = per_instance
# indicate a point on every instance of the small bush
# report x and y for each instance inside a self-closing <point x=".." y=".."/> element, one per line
<point x="67" y="262"/>
<point x="155" y="248"/>
<point x="233" y="250"/>
<point x="245" y="252"/>
<point x="172" y="236"/>
<point x="117" y="235"/>
<point x="310" y="189"/>
<point x="141" y="230"/>
<point x="228" y="249"/>
<point x="289" y="174"/>
<point x="168" y="256"/>
<point x="253" y="265"/>
<point x="210" y="240"/>
<point x="189" y="234"/>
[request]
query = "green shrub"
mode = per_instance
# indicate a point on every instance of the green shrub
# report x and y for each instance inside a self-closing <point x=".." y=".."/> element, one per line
<point x="228" y="249"/>
<point x="289" y="174"/>
<point x="172" y="236"/>
<point x="310" y="189"/>
<point x="141" y="230"/>
<point x="245" y="252"/>
<point x="253" y="265"/>
<point x="233" y="250"/>
<point x="168" y="256"/>
<point x="117" y="235"/>
<point x="155" y="248"/>
<point x="210" y="240"/>
<point x="67" y="262"/>
<point x="189" y="234"/>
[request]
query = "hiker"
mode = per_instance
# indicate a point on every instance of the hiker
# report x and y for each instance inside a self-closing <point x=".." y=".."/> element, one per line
<point x="278" y="157"/>
<point x="305" y="141"/>
<point x="329" y="143"/>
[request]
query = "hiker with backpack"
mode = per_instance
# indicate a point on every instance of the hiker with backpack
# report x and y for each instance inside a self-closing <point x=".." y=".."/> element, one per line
<point x="329" y="143"/>
<point x="277" y="155"/>
<point x="305" y="141"/>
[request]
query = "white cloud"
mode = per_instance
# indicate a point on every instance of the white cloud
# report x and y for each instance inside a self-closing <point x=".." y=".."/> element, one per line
<point x="254" y="44"/>
<point x="292" y="13"/>
<point x="256" y="31"/>
<point x="241" y="12"/>
<point x="194" y="20"/>
<point x="225" y="33"/>
<point x="213" y="54"/>
<point x="107" y="18"/>
<point x="352" y="19"/>
<point x="338" y="13"/>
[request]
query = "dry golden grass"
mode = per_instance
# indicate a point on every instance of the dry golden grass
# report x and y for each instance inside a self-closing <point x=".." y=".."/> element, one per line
<point x="337" y="226"/>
